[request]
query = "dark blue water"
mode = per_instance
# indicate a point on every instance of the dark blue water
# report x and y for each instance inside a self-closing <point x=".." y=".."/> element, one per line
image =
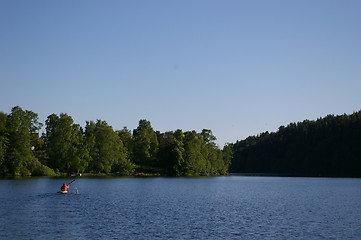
<point x="182" y="208"/>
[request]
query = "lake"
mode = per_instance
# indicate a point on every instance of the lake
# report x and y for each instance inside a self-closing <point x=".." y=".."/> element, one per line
<point x="233" y="207"/>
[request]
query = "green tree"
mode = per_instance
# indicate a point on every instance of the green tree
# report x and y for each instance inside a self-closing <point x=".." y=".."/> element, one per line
<point x="211" y="153"/>
<point x="65" y="144"/>
<point x="40" y="149"/>
<point x="126" y="136"/>
<point x="178" y="153"/>
<point x="194" y="161"/>
<point x="107" y="150"/>
<point x="19" y="158"/>
<point x="171" y="150"/>
<point x="3" y="142"/>
<point x="145" y="145"/>
<point x="227" y="155"/>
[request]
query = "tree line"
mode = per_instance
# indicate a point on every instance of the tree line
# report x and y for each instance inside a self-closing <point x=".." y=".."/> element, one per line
<point x="329" y="146"/>
<point x="66" y="147"/>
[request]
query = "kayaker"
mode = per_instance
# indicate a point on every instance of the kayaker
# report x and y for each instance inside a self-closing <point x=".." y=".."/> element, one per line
<point x="64" y="188"/>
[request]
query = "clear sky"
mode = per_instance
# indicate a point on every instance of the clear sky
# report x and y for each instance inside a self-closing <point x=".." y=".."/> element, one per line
<point x="237" y="67"/>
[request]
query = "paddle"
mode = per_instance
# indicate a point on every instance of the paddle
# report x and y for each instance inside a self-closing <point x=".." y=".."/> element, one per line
<point x="71" y="182"/>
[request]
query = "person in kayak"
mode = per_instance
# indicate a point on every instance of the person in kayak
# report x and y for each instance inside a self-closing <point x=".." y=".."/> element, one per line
<point x="64" y="188"/>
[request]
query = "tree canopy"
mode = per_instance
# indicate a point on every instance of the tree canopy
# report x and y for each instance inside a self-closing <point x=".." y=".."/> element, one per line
<point x="330" y="146"/>
<point x="16" y="149"/>
<point x="65" y="147"/>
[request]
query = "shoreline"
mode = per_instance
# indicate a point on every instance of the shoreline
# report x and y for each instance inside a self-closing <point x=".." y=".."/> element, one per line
<point x="90" y="175"/>
<point x="291" y="175"/>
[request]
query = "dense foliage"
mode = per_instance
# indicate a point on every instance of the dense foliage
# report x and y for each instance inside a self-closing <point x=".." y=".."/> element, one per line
<point x="17" y="131"/>
<point x="65" y="147"/>
<point x="330" y="146"/>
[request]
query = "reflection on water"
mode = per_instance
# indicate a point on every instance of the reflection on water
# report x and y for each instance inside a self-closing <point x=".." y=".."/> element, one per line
<point x="182" y="208"/>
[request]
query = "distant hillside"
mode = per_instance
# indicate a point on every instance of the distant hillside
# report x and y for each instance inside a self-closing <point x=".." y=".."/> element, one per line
<point x="329" y="146"/>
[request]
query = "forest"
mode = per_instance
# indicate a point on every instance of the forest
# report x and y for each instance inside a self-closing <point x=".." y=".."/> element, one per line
<point x="329" y="146"/>
<point x="67" y="148"/>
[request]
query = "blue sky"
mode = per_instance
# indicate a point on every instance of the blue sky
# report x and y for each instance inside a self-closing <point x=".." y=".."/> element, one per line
<point x="236" y="67"/>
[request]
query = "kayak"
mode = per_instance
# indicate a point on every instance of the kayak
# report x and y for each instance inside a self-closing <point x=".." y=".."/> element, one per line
<point x="63" y="192"/>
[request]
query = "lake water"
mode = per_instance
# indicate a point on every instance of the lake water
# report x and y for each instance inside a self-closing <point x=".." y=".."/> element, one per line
<point x="233" y="207"/>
